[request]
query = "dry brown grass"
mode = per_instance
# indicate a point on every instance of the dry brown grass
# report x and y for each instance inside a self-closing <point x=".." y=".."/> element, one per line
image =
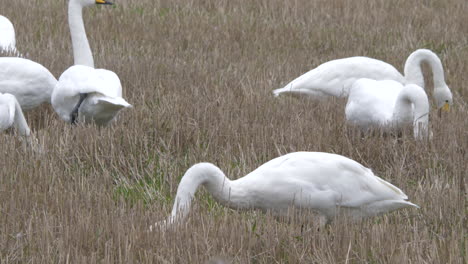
<point x="200" y="74"/>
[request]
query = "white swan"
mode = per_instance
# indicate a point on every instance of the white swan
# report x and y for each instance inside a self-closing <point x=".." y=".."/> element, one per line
<point x="324" y="182"/>
<point x="30" y="82"/>
<point x="388" y="104"/>
<point x="7" y="35"/>
<point x="12" y="115"/>
<point x="334" y="78"/>
<point x="82" y="92"/>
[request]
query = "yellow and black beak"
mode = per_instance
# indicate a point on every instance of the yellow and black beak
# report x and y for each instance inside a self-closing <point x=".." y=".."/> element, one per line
<point x="446" y="107"/>
<point x="103" y="2"/>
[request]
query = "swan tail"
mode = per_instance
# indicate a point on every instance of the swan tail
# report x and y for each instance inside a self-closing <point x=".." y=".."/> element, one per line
<point x="117" y="103"/>
<point x="279" y="91"/>
<point x="103" y="110"/>
<point x="384" y="206"/>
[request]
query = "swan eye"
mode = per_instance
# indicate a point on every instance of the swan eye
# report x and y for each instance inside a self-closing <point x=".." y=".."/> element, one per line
<point x="446" y="101"/>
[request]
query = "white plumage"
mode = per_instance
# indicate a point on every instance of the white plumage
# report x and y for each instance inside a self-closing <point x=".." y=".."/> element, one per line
<point x="324" y="182"/>
<point x="12" y="115"/>
<point x="7" y="35"/>
<point x="104" y="91"/>
<point x="30" y="82"/>
<point x="388" y="104"/>
<point x="335" y="78"/>
<point x="93" y="95"/>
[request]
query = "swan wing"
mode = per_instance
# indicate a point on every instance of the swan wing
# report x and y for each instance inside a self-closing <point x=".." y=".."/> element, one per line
<point x="30" y="82"/>
<point x="334" y="78"/>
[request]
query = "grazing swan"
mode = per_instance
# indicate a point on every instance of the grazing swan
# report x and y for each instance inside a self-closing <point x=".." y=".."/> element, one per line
<point x="83" y="92"/>
<point x="323" y="182"/>
<point x="30" y="82"/>
<point x="12" y="115"/>
<point x="388" y="103"/>
<point x="335" y="78"/>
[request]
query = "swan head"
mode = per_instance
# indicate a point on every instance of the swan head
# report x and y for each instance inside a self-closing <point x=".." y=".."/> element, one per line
<point x="443" y="98"/>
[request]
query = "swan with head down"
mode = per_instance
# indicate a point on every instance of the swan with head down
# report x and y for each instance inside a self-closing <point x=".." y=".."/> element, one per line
<point x="323" y="182"/>
<point x="388" y="104"/>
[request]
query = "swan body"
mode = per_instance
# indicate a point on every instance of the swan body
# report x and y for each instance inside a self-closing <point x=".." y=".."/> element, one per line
<point x="30" y="82"/>
<point x="12" y="115"/>
<point x="322" y="182"/>
<point x="7" y="35"/>
<point x="94" y="95"/>
<point x="104" y="91"/>
<point x="335" y="78"/>
<point x="388" y="103"/>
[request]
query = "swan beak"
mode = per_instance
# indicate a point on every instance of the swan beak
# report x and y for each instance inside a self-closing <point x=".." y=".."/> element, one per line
<point x="446" y="107"/>
<point x="103" y="2"/>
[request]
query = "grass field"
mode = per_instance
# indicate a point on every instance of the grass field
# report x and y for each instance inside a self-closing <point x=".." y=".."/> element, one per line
<point x="199" y="74"/>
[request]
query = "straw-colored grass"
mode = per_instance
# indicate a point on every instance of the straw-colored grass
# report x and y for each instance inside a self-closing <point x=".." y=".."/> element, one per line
<point x="200" y="74"/>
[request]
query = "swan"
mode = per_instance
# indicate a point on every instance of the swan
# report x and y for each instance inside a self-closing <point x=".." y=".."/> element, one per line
<point x="335" y="78"/>
<point x="31" y="83"/>
<point x="7" y="35"/>
<point x="83" y="92"/>
<point x="323" y="182"/>
<point x="12" y="115"/>
<point x="388" y="103"/>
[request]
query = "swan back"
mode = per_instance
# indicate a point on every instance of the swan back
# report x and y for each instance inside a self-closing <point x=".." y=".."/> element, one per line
<point x="7" y="35"/>
<point x="327" y="170"/>
<point x="335" y="78"/>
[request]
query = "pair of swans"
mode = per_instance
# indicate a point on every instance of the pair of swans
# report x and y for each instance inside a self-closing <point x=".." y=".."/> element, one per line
<point x="379" y="102"/>
<point x="81" y="93"/>
<point x="326" y="183"/>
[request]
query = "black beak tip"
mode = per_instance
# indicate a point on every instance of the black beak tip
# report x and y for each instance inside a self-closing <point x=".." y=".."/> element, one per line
<point x="106" y="3"/>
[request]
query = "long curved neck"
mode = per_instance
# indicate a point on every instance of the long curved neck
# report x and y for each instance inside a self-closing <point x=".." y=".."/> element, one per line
<point x="412" y="106"/>
<point x="205" y="174"/>
<point x="20" y="121"/>
<point x="81" y="51"/>
<point x="413" y="70"/>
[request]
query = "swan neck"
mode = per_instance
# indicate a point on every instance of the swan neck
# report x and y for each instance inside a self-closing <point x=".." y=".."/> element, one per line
<point x="412" y="106"/>
<point x="205" y="174"/>
<point x="20" y="122"/>
<point x="413" y="70"/>
<point x="81" y="50"/>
